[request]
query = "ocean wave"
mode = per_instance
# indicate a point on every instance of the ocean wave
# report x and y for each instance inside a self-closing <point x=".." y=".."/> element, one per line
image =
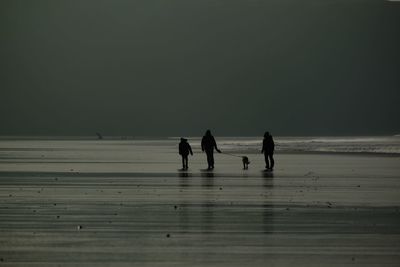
<point x="389" y="145"/>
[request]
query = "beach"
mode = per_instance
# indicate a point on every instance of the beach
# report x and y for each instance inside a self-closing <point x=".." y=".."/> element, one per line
<point x="127" y="203"/>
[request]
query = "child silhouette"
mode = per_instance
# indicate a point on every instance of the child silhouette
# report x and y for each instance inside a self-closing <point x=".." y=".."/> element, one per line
<point x="184" y="150"/>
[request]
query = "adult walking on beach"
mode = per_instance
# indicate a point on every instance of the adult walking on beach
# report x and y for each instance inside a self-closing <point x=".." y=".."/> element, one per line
<point x="207" y="145"/>
<point x="268" y="150"/>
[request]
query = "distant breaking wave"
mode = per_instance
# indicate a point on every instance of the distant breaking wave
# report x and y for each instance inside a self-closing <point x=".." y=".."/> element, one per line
<point x="386" y="145"/>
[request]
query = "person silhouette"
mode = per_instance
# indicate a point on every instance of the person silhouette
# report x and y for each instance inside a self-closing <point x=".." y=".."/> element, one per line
<point x="184" y="150"/>
<point x="268" y="150"/>
<point x="207" y="145"/>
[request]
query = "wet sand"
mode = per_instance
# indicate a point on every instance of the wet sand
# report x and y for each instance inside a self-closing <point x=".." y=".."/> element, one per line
<point x="124" y="204"/>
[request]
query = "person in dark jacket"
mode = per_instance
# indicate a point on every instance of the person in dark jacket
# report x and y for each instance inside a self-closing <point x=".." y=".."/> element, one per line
<point x="207" y="145"/>
<point x="268" y="150"/>
<point x="184" y="150"/>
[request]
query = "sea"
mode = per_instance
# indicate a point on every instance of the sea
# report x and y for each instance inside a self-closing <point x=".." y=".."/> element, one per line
<point x="389" y="145"/>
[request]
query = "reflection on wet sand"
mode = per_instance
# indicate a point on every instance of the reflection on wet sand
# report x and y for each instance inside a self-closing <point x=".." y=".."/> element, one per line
<point x="207" y="205"/>
<point x="268" y="207"/>
<point x="267" y="174"/>
<point x="184" y="174"/>
<point x="199" y="215"/>
<point x="196" y="215"/>
<point x="207" y="178"/>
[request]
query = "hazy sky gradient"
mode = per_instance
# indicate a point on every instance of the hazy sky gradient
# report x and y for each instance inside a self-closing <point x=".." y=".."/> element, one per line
<point x="311" y="67"/>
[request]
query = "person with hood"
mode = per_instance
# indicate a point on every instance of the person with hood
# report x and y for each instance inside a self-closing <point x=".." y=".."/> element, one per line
<point x="207" y="145"/>
<point x="268" y="150"/>
<point x="184" y="150"/>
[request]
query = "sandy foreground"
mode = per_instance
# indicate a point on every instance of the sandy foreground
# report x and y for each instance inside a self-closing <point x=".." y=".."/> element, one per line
<point x="92" y="203"/>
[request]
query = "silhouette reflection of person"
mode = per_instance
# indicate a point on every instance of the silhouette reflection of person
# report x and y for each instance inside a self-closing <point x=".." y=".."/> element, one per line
<point x="207" y="145"/>
<point x="184" y="150"/>
<point x="268" y="150"/>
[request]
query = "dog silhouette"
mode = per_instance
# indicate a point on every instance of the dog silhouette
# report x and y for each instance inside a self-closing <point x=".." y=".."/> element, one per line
<point x="246" y="162"/>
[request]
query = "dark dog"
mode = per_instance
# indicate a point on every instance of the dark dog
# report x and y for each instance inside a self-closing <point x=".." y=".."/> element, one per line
<point x="246" y="162"/>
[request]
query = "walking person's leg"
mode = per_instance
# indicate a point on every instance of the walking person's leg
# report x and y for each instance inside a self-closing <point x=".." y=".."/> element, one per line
<point x="212" y="160"/>
<point x="183" y="162"/>
<point x="266" y="161"/>
<point x="186" y="162"/>
<point x="209" y="159"/>
<point x="271" y="159"/>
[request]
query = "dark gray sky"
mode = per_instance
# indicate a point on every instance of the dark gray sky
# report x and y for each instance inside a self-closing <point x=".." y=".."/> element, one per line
<point x="311" y="67"/>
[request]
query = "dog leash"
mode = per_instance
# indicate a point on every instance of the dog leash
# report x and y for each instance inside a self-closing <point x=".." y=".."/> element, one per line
<point x="231" y="155"/>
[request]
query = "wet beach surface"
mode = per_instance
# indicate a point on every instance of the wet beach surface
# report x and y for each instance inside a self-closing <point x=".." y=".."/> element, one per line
<point x="110" y="204"/>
